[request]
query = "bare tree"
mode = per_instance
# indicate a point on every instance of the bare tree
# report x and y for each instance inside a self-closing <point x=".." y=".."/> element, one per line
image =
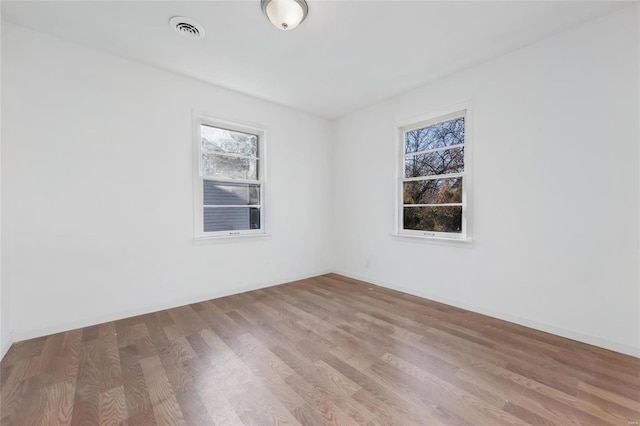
<point x="434" y="163"/>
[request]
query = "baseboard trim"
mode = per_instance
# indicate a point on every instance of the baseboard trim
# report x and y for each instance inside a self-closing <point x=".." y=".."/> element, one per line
<point x="18" y="336"/>
<point x="21" y="335"/>
<point x="547" y="328"/>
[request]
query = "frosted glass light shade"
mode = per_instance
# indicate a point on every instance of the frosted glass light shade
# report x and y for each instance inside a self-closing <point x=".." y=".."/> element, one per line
<point x="285" y="14"/>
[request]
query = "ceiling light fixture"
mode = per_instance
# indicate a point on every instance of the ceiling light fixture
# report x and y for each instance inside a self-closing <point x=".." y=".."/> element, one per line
<point x="285" y="14"/>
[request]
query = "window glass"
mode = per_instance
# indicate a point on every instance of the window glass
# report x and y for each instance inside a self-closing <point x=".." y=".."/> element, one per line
<point x="433" y="182"/>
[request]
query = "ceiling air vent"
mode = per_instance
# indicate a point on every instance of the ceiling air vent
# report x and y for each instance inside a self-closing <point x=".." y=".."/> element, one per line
<point x="186" y="27"/>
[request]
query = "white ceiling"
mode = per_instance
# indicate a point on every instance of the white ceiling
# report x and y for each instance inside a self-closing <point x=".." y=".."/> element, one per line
<point x="345" y="55"/>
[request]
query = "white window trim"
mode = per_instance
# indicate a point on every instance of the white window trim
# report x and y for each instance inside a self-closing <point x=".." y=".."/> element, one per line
<point x="453" y="111"/>
<point x="198" y="206"/>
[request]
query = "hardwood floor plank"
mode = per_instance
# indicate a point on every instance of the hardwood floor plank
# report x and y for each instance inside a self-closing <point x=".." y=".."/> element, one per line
<point x="308" y="415"/>
<point x="388" y="411"/>
<point x="218" y="406"/>
<point x="268" y="369"/>
<point x="134" y="383"/>
<point x="109" y="357"/>
<point x="375" y="391"/>
<point x="526" y="415"/>
<point x="328" y="350"/>
<point x="12" y="393"/>
<point x="33" y="407"/>
<point x="49" y="356"/>
<point x="332" y="410"/>
<point x="610" y="396"/>
<point x="144" y="418"/>
<point x="187" y="320"/>
<point x="255" y="404"/>
<point x="68" y="359"/>
<point x="493" y="388"/>
<point x="605" y="409"/>
<point x="338" y="381"/>
<point x="165" y="405"/>
<point x="59" y="403"/>
<point x="193" y="409"/>
<point x="87" y="393"/>
<point x="558" y="412"/>
<point x="112" y="406"/>
<point x="442" y="393"/>
<point x="90" y="333"/>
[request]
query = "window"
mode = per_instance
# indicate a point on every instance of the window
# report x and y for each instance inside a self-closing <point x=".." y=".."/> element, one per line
<point x="434" y="181"/>
<point x="230" y="180"/>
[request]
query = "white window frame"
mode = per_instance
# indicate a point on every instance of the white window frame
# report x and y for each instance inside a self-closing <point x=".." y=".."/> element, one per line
<point x="450" y="113"/>
<point x="198" y="179"/>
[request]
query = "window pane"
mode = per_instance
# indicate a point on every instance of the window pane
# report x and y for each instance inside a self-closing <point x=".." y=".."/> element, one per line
<point x="435" y="219"/>
<point x="435" y="191"/>
<point x="435" y="163"/>
<point x="225" y="194"/>
<point x="231" y="218"/>
<point x="223" y="166"/>
<point x="438" y="135"/>
<point x="228" y="141"/>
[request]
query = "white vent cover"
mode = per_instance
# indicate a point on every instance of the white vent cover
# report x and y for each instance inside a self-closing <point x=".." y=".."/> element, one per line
<point x="186" y="27"/>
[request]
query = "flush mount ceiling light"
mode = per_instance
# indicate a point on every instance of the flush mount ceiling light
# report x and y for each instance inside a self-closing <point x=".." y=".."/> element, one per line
<point x="285" y="14"/>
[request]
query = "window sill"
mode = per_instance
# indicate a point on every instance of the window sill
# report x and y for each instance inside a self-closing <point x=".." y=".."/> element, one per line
<point x="457" y="242"/>
<point x="213" y="239"/>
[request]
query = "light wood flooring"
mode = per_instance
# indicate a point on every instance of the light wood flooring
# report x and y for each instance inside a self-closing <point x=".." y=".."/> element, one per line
<point x="326" y="350"/>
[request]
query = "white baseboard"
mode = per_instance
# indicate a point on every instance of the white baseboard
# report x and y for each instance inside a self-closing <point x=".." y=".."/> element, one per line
<point x="558" y="331"/>
<point x="20" y="335"/>
<point x="570" y="334"/>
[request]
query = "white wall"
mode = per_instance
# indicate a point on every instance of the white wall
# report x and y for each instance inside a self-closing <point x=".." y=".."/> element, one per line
<point x="556" y="206"/>
<point x="97" y="199"/>
<point x="97" y="188"/>
<point x="5" y="335"/>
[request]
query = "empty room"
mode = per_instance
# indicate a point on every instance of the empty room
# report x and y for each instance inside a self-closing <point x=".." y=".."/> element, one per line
<point x="260" y="212"/>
